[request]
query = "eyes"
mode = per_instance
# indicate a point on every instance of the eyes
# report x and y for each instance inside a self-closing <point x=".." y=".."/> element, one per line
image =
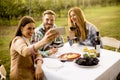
<point x="47" y="19"/>
<point x="31" y="28"/>
<point x="72" y="16"/>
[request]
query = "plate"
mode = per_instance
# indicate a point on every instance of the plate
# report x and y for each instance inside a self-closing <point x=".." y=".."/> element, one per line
<point x="87" y="61"/>
<point x="91" y="66"/>
<point x="53" y="63"/>
<point x="69" y="56"/>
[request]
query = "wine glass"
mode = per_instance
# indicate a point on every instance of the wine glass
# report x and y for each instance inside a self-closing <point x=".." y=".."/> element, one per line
<point x="72" y="28"/>
<point x="56" y="44"/>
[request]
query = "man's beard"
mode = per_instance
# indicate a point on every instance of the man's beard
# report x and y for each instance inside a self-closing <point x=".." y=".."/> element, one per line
<point x="47" y="27"/>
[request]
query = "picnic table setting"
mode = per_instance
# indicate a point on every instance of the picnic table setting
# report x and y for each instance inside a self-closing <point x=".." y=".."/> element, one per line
<point x="81" y="62"/>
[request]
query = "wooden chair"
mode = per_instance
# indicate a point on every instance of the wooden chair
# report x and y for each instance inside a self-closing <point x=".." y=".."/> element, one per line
<point x="3" y="73"/>
<point x="112" y="42"/>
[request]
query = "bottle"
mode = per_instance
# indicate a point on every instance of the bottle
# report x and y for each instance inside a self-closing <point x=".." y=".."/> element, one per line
<point x="97" y="44"/>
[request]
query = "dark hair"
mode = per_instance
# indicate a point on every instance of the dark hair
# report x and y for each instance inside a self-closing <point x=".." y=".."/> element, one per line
<point x="23" y="21"/>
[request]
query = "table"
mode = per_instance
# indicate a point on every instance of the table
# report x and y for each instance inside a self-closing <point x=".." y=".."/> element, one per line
<point x="107" y="69"/>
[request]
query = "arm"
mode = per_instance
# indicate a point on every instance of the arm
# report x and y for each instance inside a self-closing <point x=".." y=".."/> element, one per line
<point x="21" y="47"/>
<point x="24" y="50"/>
<point x="38" y="69"/>
<point x="49" y="52"/>
<point x="44" y="53"/>
<point x="71" y="37"/>
<point x="91" y="35"/>
<point x="49" y="36"/>
<point x="71" y="41"/>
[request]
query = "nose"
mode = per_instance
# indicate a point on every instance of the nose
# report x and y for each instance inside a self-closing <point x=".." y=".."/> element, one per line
<point x="32" y="30"/>
<point x="49" y="21"/>
<point x="72" y="17"/>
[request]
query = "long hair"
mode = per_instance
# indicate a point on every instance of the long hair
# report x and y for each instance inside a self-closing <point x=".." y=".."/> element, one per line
<point x="23" y="21"/>
<point x="81" y="22"/>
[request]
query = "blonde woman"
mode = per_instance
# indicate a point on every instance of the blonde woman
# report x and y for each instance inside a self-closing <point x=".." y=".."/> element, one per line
<point x="80" y="29"/>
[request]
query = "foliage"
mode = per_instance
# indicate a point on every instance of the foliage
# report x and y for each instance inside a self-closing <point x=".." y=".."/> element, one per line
<point x="11" y="8"/>
<point x="16" y="8"/>
<point x="106" y="19"/>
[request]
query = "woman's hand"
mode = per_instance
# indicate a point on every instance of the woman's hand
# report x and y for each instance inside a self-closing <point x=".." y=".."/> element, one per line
<point x="38" y="71"/>
<point x="71" y="34"/>
<point x="50" y="35"/>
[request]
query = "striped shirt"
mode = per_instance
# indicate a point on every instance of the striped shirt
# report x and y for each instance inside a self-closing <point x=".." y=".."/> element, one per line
<point x="39" y="34"/>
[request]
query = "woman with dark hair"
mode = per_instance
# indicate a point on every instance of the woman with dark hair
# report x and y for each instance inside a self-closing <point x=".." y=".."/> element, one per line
<point x="25" y="58"/>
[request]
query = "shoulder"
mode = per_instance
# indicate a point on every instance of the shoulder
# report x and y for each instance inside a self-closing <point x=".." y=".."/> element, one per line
<point x="18" y="39"/>
<point x="91" y="26"/>
<point x="39" y="28"/>
<point x="54" y="26"/>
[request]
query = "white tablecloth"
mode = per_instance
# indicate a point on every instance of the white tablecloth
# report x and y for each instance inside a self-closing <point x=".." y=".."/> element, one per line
<point x="107" y="69"/>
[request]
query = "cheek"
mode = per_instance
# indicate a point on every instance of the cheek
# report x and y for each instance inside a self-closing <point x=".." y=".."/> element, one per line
<point x="52" y="21"/>
<point x="24" y="32"/>
<point x="76" y="19"/>
<point x="45" y="21"/>
<point x="72" y="18"/>
<point x="32" y="31"/>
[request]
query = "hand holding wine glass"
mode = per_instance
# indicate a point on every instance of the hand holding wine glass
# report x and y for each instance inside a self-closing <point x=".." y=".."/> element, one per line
<point x="72" y="28"/>
<point x="72" y="35"/>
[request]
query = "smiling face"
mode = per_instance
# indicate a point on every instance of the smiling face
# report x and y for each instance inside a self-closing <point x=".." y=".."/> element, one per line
<point x="48" y="21"/>
<point x="28" y="30"/>
<point x="73" y="17"/>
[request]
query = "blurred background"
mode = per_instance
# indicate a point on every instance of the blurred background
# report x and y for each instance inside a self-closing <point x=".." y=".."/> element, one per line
<point x="104" y="14"/>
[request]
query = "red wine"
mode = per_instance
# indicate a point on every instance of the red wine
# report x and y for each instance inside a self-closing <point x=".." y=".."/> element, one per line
<point x="72" y="28"/>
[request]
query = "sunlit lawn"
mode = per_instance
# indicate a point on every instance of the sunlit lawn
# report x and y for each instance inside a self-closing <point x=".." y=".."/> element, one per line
<point x="107" y="19"/>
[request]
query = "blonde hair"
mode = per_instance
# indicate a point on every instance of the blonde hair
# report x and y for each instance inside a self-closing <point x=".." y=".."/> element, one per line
<point x="81" y="22"/>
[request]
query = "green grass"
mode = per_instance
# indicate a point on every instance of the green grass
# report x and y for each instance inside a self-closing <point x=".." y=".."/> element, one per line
<point x="6" y="33"/>
<point x="106" y="19"/>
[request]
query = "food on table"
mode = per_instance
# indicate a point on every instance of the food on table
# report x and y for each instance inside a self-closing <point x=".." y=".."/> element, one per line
<point x="89" y="57"/>
<point x="85" y="55"/>
<point x="69" y="56"/>
<point x="87" y="60"/>
<point x="85" y="49"/>
<point x="92" y="55"/>
<point x="91" y="52"/>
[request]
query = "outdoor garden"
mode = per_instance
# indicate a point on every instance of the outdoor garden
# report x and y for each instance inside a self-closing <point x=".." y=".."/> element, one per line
<point x="104" y="14"/>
